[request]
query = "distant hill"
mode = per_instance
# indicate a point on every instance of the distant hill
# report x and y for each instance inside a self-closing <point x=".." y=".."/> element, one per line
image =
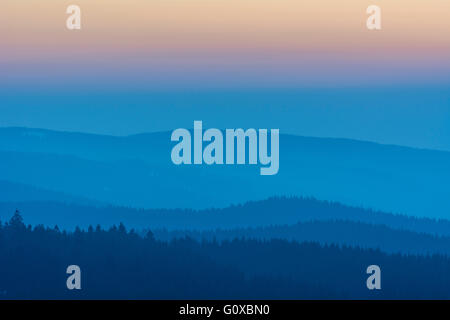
<point x="338" y="232"/>
<point x="136" y="171"/>
<point x="17" y="192"/>
<point x="272" y="212"/>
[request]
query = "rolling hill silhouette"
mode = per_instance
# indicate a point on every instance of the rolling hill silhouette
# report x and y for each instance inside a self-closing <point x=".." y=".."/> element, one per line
<point x="337" y="232"/>
<point x="136" y="171"/>
<point x="272" y="215"/>
<point x="17" y="192"/>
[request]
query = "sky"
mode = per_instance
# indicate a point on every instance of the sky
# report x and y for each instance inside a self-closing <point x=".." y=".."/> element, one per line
<point x="310" y="67"/>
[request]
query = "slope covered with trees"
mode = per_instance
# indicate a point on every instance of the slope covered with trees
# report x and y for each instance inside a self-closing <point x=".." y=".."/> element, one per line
<point x="340" y="232"/>
<point x="117" y="263"/>
<point x="273" y="211"/>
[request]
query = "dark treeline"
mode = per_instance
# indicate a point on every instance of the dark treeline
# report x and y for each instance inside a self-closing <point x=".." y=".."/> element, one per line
<point x="250" y="214"/>
<point x="339" y="232"/>
<point x="120" y="264"/>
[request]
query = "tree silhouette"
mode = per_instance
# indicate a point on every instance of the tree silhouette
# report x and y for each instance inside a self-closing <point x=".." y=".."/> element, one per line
<point x="16" y="221"/>
<point x="120" y="264"/>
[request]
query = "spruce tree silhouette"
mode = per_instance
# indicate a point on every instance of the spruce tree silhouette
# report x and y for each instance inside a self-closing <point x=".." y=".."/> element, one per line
<point x="16" y="222"/>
